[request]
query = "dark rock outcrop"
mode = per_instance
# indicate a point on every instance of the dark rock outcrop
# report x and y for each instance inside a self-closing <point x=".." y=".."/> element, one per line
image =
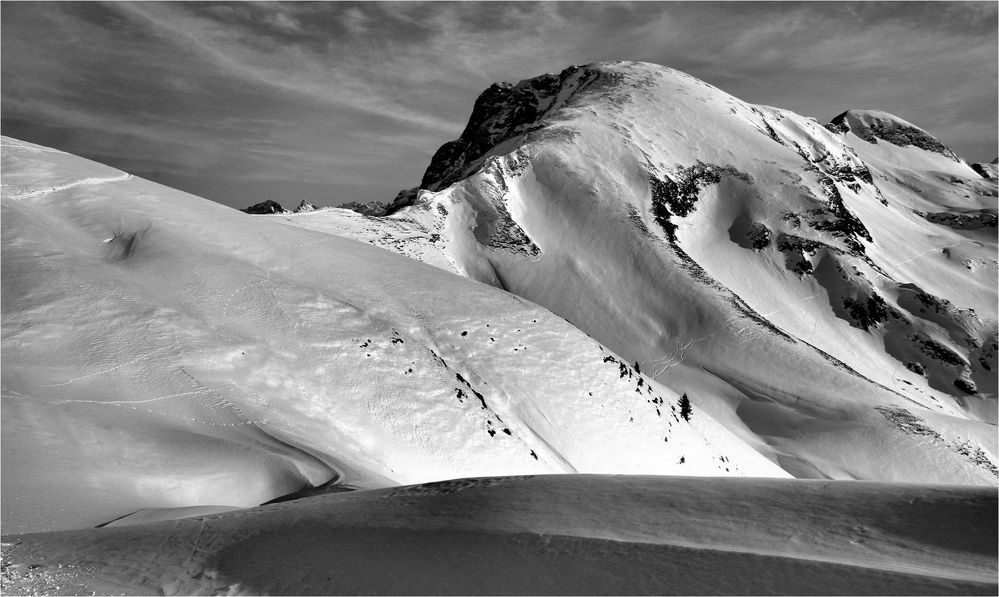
<point x="267" y="207"/>
<point x="871" y="126"/>
<point x="990" y="170"/>
<point x="371" y="208"/>
<point x="983" y="218"/>
<point x="501" y="112"/>
<point x="304" y="206"/>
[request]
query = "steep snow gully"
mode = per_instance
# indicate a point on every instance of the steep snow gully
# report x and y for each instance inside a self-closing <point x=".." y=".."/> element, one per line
<point x="618" y="281"/>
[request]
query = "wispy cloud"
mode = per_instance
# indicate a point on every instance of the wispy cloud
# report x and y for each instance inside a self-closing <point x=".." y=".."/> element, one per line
<point x="356" y="21"/>
<point x="357" y="96"/>
<point x="247" y="51"/>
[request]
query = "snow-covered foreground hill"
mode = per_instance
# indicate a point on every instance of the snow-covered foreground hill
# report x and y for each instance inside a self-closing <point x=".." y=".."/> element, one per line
<point x="163" y="351"/>
<point x="829" y="291"/>
<point x="564" y="534"/>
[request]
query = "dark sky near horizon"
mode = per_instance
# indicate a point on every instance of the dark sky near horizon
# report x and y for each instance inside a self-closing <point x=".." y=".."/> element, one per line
<point x="343" y="101"/>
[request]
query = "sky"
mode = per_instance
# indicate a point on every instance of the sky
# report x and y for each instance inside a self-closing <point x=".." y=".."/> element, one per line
<point x="343" y="101"/>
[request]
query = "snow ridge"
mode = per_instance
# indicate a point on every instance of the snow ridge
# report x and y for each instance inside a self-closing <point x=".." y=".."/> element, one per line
<point x="871" y="125"/>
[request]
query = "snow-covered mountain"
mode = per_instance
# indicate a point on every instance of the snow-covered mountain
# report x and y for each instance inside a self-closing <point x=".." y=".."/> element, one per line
<point x="618" y="269"/>
<point x="828" y="290"/>
<point x="160" y="350"/>
<point x="304" y="206"/>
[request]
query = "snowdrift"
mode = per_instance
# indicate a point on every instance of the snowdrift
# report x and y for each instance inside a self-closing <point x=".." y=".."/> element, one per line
<point x="562" y="534"/>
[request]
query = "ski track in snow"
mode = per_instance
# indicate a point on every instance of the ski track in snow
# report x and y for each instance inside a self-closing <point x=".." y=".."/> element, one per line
<point x="82" y="182"/>
<point x="198" y="392"/>
<point x="7" y="393"/>
<point x="174" y="344"/>
<point x="926" y="252"/>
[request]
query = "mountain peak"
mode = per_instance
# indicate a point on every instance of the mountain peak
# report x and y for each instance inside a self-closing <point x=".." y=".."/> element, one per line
<point x="871" y="125"/>
<point x="305" y="206"/>
<point x="501" y="112"/>
<point x="654" y="211"/>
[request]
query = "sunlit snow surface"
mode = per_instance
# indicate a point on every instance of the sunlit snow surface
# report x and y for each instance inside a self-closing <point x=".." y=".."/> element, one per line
<point x="163" y="351"/>
<point x="848" y="357"/>
<point x="169" y="362"/>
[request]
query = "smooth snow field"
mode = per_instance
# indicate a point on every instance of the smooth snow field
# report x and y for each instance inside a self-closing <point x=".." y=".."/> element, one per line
<point x="562" y="534"/>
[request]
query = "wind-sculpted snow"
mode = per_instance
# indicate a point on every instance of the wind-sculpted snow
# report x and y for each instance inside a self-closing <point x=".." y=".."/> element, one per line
<point x="743" y="253"/>
<point x="541" y="535"/>
<point x="161" y="351"/>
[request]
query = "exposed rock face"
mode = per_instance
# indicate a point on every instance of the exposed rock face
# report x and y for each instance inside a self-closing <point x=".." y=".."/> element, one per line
<point x="501" y="112"/>
<point x="677" y="196"/>
<point x="983" y="218"/>
<point x="990" y="170"/>
<point x="304" y="206"/>
<point x="267" y="207"/>
<point x="371" y="208"/>
<point x="871" y="125"/>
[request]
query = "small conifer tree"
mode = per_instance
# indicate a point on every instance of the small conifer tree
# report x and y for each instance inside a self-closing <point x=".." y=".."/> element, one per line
<point x="685" y="409"/>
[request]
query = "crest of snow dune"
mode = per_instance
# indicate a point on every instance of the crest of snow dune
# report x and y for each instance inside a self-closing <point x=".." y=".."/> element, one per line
<point x="552" y="534"/>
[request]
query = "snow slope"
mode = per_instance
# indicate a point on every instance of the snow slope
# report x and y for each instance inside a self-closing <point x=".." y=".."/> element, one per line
<point x="562" y="534"/>
<point x="398" y="234"/>
<point x="162" y="351"/>
<point x="829" y="291"/>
